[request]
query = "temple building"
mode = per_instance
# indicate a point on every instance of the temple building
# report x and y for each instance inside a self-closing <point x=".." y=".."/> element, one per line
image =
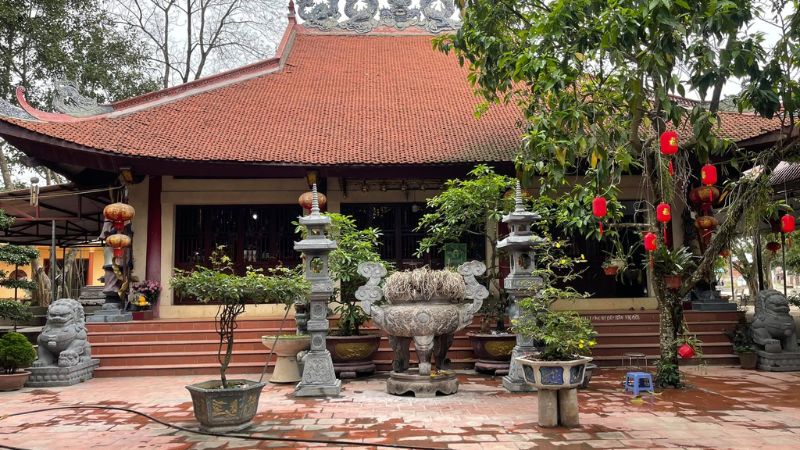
<point x="362" y="105"/>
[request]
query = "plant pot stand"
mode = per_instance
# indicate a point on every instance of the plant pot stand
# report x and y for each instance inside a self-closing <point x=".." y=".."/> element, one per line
<point x="558" y="408"/>
<point x="286" y="349"/>
<point x="225" y="410"/>
<point x="422" y="386"/>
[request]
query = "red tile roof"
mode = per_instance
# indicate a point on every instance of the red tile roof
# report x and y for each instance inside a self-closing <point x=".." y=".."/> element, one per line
<point x="338" y="100"/>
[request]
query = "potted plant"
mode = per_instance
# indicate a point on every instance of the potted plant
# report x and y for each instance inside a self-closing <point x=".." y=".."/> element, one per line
<point x="146" y="293"/>
<point x="16" y="353"/>
<point x="687" y="345"/>
<point x="230" y="405"/>
<point x="564" y="340"/>
<point x="742" y="340"/>
<point x="673" y="264"/>
<point x="470" y="209"/>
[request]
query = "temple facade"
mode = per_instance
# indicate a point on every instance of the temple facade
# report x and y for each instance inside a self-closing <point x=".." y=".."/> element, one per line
<point x="355" y="100"/>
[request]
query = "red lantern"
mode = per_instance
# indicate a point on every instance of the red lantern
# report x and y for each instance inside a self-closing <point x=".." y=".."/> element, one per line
<point x="600" y="209"/>
<point x="650" y="241"/>
<point x="669" y="142"/>
<point x="773" y="247"/>
<point x="708" y="175"/>
<point x="685" y="351"/>
<point x="787" y="223"/>
<point x="663" y="212"/>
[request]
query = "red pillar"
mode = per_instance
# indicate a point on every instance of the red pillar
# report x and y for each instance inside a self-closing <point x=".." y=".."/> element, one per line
<point x="153" y="257"/>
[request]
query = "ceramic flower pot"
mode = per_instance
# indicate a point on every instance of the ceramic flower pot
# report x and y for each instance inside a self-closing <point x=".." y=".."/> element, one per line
<point x="493" y="351"/>
<point x="611" y="270"/>
<point x="14" y="381"/>
<point x="672" y="282"/>
<point x="748" y="360"/>
<point x="352" y="355"/>
<point x="286" y="349"/>
<point x="553" y="375"/>
<point x="225" y="410"/>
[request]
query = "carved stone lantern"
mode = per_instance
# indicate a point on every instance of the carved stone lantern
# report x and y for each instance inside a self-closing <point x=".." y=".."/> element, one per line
<point x="520" y="282"/>
<point x="319" y="378"/>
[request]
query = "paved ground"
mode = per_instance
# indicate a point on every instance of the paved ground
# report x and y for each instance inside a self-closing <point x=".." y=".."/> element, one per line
<point x="724" y="408"/>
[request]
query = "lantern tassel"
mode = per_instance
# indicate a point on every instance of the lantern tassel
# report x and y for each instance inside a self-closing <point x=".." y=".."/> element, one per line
<point x="651" y="260"/>
<point x="671" y="170"/>
<point x="601" y="228"/>
<point x="665" y="235"/>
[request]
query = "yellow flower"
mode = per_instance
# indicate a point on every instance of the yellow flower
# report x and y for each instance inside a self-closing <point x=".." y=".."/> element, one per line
<point x="592" y="343"/>
<point x="580" y="345"/>
<point x="581" y="341"/>
<point x="558" y="244"/>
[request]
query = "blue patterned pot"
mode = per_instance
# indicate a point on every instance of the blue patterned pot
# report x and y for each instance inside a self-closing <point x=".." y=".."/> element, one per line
<point x="553" y="375"/>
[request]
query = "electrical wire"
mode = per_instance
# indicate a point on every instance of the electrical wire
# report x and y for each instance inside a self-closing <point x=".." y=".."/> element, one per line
<point x="211" y="433"/>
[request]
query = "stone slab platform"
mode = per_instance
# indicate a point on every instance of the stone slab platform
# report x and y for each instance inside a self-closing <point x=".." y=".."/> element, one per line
<point x="61" y="376"/>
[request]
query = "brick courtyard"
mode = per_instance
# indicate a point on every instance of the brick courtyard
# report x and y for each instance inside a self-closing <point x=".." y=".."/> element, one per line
<point x="723" y="408"/>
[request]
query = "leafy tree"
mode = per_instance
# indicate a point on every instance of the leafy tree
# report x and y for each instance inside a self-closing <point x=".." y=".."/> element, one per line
<point x="597" y="81"/>
<point x="15" y="255"/>
<point x="44" y="40"/>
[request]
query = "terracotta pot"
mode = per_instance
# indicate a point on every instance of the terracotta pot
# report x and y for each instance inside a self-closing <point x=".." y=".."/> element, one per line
<point x="672" y="282"/>
<point x="492" y="351"/>
<point x="224" y="410"/>
<point x="352" y="355"/>
<point x="611" y="270"/>
<point x="554" y="375"/>
<point x="14" y="381"/>
<point x="286" y="349"/>
<point x="748" y="360"/>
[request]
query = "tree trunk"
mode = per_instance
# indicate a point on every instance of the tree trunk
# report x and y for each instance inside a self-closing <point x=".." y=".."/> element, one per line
<point x="5" y="170"/>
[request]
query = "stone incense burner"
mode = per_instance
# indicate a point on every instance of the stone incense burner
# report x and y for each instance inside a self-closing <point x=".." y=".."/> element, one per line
<point x="425" y="306"/>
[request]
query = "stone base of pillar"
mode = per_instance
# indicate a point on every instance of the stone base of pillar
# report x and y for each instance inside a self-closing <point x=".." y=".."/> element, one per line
<point x="514" y="381"/>
<point x="319" y="378"/>
<point x="110" y="312"/>
<point x="558" y="408"/>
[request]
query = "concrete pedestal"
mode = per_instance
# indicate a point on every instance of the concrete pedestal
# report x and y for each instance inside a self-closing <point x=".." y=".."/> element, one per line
<point x="778" y="362"/>
<point x="53" y="376"/>
<point x="558" y="408"/>
<point x="422" y="386"/>
<point x="110" y="312"/>
<point x="514" y="381"/>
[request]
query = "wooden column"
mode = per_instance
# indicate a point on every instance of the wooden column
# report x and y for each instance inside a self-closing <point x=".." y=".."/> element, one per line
<point x="153" y="258"/>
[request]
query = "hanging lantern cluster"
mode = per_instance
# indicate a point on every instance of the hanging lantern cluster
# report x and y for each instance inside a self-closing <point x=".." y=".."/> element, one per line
<point x="706" y="225"/>
<point x="669" y="146"/>
<point x="119" y="213"/>
<point x="600" y="210"/>
<point x="119" y="242"/>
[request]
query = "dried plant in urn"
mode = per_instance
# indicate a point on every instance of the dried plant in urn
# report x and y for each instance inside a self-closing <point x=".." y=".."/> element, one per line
<point x="424" y="285"/>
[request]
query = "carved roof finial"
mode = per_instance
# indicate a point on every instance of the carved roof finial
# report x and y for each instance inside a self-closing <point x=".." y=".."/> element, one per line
<point x="291" y="9"/>
<point x="519" y="205"/>
<point x="314" y="200"/>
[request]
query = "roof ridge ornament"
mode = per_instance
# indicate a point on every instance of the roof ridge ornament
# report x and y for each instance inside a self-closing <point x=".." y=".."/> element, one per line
<point x="67" y="99"/>
<point x="363" y="16"/>
<point x="519" y="206"/>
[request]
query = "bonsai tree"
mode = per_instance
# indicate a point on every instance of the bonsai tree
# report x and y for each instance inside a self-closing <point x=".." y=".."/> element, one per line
<point x="471" y="207"/>
<point x="14" y="312"/>
<point x="16" y="255"/>
<point x="561" y="335"/>
<point x="599" y="83"/>
<point x="16" y="352"/>
<point x="354" y="246"/>
<point x="220" y="284"/>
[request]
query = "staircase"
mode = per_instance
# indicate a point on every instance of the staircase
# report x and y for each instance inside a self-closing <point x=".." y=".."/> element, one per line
<point x="637" y="331"/>
<point x="189" y="347"/>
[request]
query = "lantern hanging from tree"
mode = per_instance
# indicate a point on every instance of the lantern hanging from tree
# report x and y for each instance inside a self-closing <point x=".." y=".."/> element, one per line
<point x="119" y="213"/>
<point x="787" y="223"/>
<point x="669" y="142"/>
<point x="600" y="210"/>
<point x="650" y="241"/>
<point x="664" y="215"/>
<point x="119" y="242"/>
<point x="685" y="351"/>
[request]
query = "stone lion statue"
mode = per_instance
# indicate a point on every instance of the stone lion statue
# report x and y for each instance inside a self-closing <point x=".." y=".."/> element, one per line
<point x="773" y="327"/>
<point x="63" y="339"/>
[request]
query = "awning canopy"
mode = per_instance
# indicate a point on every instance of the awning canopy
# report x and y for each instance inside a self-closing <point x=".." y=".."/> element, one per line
<point x="77" y="213"/>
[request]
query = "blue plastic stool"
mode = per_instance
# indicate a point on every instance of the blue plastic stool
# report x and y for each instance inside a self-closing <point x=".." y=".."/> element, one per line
<point x="638" y="381"/>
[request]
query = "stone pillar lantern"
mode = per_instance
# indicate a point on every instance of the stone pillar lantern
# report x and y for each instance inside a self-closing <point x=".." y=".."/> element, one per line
<point x="319" y="378"/>
<point x="520" y="282"/>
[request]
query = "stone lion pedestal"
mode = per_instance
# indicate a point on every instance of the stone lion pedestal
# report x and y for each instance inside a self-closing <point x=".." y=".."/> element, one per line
<point x="430" y="321"/>
<point x="775" y="333"/>
<point x="64" y="354"/>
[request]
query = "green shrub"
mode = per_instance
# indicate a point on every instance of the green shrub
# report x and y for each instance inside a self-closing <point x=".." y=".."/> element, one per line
<point x="14" y="311"/>
<point x="562" y="335"/>
<point x="16" y="352"/>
